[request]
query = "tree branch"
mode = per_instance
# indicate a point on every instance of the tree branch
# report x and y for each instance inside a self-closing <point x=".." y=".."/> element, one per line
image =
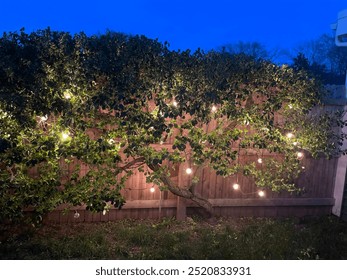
<point x="183" y="192"/>
<point x="139" y="161"/>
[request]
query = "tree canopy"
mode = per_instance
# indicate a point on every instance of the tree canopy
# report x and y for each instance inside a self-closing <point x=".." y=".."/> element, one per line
<point x="110" y="102"/>
<point x="323" y="58"/>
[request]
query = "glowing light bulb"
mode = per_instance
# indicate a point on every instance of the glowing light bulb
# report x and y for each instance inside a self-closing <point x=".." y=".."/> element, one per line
<point x="261" y="193"/>
<point x="300" y="155"/>
<point x="76" y="215"/>
<point x="152" y="189"/>
<point x="67" y="94"/>
<point x="214" y="109"/>
<point x="65" y="136"/>
<point x="290" y="135"/>
<point x="260" y="160"/>
<point x="189" y="171"/>
<point x="236" y="186"/>
<point x="290" y="106"/>
<point x="175" y="103"/>
<point x="104" y="212"/>
<point x="295" y="143"/>
<point x="161" y="142"/>
<point x="303" y="167"/>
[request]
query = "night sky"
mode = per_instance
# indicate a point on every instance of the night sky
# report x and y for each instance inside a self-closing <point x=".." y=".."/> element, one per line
<point x="184" y="24"/>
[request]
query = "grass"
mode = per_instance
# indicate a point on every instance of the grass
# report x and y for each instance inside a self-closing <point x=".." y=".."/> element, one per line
<point x="323" y="238"/>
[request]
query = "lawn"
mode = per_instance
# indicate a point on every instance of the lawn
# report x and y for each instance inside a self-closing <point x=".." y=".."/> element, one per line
<point x="323" y="238"/>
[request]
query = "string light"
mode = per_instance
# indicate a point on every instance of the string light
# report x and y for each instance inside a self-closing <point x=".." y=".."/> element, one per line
<point x="76" y="215"/>
<point x="189" y="171"/>
<point x="290" y="135"/>
<point x="67" y="94"/>
<point x="152" y="189"/>
<point x="260" y="160"/>
<point x="303" y="167"/>
<point x="65" y="136"/>
<point x="236" y="186"/>
<point x="175" y="103"/>
<point x="300" y="155"/>
<point x="261" y="193"/>
<point x="214" y="109"/>
<point x="295" y="143"/>
<point x="290" y="106"/>
<point x="104" y="212"/>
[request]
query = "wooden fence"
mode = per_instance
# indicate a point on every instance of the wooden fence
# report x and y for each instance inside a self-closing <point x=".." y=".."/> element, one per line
<point x="144" y="202"/>
<point x="316" y="199"/>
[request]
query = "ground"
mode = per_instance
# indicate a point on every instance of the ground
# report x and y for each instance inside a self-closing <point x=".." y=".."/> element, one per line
<point x="313" y="238"/>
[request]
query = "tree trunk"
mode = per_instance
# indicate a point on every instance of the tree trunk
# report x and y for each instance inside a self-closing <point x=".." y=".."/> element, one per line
<point x="184" y="192"/>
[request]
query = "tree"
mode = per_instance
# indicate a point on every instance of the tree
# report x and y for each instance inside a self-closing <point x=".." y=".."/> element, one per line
<point x="255" y="50"/>
<point x="300" y="62"/>
<point x="314" y="70"/>
<point x="325" y="58"/>
<point x="108" y="101"/>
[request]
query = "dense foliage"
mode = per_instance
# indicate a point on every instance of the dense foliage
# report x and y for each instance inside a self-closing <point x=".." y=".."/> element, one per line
<point x="101" y="102"/>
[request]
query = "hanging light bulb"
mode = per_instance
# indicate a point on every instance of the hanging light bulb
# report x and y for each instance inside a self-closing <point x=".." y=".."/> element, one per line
<point x="295" y="143"/>
<point x="104" y="212"/>
<point x="76" y="215"/>
<point x="303" y="167"/>
<point x="214" y="109"/>
<point x="67" y="94"/>
<point x="300" y="155"/>
<point x="290" y="135"/>
<point x="261" y="193"/>
<point x="175" y="103"/>
<point x="189" y="171"/>
<point x="65" y="136"/>
<point x="290" y="106"/>
<point x="260" y="160"/>
<point x="236" y="186"/>
<point x="152" y="189"/>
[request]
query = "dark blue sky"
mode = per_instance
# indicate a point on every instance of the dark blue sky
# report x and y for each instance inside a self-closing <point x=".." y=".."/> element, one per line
<point x="184" y="24"/>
